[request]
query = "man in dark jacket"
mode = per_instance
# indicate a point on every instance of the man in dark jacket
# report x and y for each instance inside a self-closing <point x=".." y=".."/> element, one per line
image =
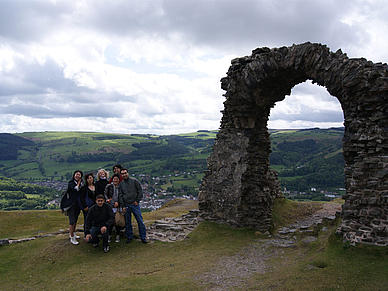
<point x="100" y="217"/>
<point x="130" y="194"/>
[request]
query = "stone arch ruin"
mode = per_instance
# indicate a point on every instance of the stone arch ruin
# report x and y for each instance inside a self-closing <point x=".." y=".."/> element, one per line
<point x="239" y="187"/>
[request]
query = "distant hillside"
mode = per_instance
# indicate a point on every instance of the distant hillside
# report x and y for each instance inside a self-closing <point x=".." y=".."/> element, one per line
<point x="10" y="145"/>
<point x="308" y="158"/>
<point x="303" y="158"/>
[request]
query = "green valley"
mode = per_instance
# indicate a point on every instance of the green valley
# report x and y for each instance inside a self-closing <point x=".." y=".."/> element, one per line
<point x="309" y="161"/>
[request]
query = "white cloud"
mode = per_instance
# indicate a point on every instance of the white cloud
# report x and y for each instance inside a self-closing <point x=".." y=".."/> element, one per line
<point x="155" y="66"/>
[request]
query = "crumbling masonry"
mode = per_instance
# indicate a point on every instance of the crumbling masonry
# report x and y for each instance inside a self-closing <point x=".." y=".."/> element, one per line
<point x="239" y="187"/>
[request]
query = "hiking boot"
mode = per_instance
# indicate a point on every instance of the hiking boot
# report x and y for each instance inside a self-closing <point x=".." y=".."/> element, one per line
<point x="117" y="238"/>
<point x="144" y="241"/>
<point x="106" y="249"/>
<point x="73" y="240"/>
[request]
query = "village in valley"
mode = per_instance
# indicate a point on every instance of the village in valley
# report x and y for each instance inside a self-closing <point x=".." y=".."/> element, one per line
<point x="153" y="195"/>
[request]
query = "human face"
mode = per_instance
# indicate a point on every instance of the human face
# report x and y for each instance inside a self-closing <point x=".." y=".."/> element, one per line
<point x="100" y="202"/>
<point x="77" y="176"/>
<point x="116" y="181"/>
<point x="90" y="180"/>
<point x="116" y="170"/>
<point x="125" y="174"/>
<point x="101" y="173"/>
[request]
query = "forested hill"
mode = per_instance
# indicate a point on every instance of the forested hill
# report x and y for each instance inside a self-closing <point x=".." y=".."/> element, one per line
<point x="10" y="145"/>
<point x="309" y="158"/>
<point x="303" y="158"/>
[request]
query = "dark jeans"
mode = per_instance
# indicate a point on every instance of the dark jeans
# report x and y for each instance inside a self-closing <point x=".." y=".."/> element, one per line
<point x="85" y="213"/>
<point x="118" y="229"/>
<point x="95" y="232"/>
<point x="135" y="209"/>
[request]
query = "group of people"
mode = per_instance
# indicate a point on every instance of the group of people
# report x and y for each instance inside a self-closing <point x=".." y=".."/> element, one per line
<point x="100" y="203"/>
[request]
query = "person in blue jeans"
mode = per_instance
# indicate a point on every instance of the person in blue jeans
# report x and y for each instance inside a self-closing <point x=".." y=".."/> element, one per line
<point x="130" y="194"/>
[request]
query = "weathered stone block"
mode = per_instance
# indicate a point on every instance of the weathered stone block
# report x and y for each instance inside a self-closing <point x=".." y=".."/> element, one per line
<point x="237" y="193"/>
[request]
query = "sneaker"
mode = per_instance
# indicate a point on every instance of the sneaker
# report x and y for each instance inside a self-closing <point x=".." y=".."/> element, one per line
<point x="109" y="239"/>
<point x="128" y="240"/>
<point x="144" y="241"/>
<point x="73" y="241"/>
<point x="117" y="238"/>
<point x="76" y="236"/>
<point x="95" y="245"/>
<point x="106" y="249"/>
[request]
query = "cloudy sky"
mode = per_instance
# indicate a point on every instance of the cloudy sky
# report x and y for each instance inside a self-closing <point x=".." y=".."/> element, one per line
<point x="155" y="66"/>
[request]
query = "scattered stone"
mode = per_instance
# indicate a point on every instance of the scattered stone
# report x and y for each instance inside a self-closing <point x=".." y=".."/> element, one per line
<point x="173" y="229"/>
<point x="309" y="239"/>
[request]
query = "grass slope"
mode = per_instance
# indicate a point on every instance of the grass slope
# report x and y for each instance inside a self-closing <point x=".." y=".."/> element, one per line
<point x="52" y="263"/>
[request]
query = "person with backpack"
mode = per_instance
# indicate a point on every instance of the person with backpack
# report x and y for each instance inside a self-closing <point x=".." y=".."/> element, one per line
<point x="69" y="204"/>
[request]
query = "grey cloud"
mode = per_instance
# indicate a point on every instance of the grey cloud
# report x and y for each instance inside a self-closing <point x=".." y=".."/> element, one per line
<point x="36" y="79"/>
<point x="318" y="92"/>
<point x="64" y="106"/>
<point x="228" y="25"/>
<point x="309" y="114"/>
<point x="41" y="90"/>
<point x="31" y="20"/>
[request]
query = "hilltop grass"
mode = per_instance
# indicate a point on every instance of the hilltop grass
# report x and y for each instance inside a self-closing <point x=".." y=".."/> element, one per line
<point x="22" y="224"/>
<point x="286" y="211"/>
<point x="53" y="263"/>
<point x="326" y="264"/>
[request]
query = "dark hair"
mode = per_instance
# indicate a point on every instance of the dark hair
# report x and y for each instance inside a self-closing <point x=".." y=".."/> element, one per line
<point x="77" y="171"/>
<point x="100" y="196"/>
<point x="87" y="176"/>
<point x="116" y="175"/>
<point x="124" y="169"/>
<point x="117" y="166"/>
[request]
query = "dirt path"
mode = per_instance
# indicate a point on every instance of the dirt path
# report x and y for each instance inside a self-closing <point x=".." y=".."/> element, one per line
<point x="233" y="271"/>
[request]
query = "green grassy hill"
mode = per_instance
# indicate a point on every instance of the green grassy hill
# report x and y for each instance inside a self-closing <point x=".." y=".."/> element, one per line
<point x="52" y="263"/>
<point x="304" y="159"/>
<point x="56" y="155"/>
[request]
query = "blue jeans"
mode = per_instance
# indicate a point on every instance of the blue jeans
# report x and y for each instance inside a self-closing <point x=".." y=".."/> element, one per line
<point x="95" y="232"/>
<point x="135" y="209"/>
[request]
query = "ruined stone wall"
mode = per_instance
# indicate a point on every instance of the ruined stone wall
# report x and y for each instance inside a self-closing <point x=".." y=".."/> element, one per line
<point x="239" y="186"/>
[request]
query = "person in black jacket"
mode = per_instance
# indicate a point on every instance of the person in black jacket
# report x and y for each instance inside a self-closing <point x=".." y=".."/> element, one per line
<point x="87" y="195"/>
<point x="102" y="181"/>
<point x="69" y="204"/>
<point x="99" y="219"/>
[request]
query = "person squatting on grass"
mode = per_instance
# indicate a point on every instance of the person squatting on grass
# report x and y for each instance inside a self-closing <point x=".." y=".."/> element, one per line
<point x="130" y="194"/>
<point x="100" y="217"/>
<point x="112" y="197"/>
<point x="73" y="212"/>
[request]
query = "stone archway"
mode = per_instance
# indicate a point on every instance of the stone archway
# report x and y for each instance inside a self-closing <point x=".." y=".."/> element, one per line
<point x="239" y="187"/>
